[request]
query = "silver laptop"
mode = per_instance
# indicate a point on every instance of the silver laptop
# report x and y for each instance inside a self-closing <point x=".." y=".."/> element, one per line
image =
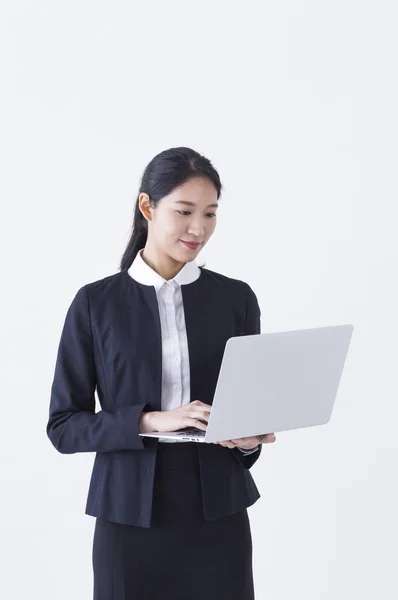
<point x="272" y="382"/>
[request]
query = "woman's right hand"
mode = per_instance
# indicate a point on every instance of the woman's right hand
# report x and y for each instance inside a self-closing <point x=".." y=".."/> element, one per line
<point x="195" y="414"/>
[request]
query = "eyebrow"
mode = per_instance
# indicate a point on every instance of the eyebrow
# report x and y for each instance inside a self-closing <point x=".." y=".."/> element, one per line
<point x="187" y="203"/>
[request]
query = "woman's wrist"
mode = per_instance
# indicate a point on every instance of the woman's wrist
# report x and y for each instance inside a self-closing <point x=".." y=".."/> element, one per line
<point x="147" y="421"/>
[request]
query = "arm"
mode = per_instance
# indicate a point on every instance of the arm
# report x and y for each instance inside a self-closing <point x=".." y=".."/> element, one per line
<point x="252" y="326"/>
<point x="73" y="425"/>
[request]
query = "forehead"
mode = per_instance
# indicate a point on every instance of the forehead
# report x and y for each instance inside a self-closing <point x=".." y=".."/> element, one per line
<point x="199" y="190"/>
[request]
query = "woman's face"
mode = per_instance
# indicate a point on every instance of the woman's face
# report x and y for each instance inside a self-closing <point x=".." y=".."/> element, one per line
<point x="188" y="214"/>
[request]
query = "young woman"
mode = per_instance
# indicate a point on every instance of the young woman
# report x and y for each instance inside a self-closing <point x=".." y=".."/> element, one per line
<point x="171" y="517"/>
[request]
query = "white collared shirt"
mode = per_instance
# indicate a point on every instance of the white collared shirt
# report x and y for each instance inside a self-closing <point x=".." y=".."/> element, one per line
<point x="176" y="388"/>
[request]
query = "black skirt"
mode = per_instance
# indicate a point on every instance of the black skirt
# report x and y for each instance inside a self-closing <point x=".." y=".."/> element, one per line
<point x="181" y="556"/>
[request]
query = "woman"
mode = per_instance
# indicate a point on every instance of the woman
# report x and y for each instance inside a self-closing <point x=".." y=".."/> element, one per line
<point x="171" y="516"/>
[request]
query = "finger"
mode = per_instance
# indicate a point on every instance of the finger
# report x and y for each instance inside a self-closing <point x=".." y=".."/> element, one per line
<point x="197" y="414"/>
<point x="267" y="438"/>
<point x="247" y="444"/>
<point x="202" y="410"/>
<point x="189" y="422"/>
<point x="240" y="442"/>
<point x="230" y="444"/>
<point x="199" y="403"/>
<point x="226" y="444"/>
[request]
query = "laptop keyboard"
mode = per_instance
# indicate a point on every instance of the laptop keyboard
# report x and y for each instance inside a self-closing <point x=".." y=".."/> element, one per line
<point x="191" y="431"/>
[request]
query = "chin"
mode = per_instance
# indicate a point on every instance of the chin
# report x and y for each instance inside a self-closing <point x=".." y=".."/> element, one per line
<point x="186" y="256"/>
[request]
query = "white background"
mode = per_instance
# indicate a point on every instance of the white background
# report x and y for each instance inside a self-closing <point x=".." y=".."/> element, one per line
<point x="296" y="104"/>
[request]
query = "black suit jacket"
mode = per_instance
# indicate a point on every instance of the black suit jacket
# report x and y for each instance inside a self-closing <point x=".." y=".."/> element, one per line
<point x="111" y="342"/>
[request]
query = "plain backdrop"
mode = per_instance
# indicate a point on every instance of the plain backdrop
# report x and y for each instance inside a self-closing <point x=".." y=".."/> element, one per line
<point x="295" y="103"/>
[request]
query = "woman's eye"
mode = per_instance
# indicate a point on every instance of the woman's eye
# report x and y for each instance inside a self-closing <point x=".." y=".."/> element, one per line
<point x="186" y="212"/>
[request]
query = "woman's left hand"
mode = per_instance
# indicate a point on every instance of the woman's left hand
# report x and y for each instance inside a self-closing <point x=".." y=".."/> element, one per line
<point x="248" y="443"/>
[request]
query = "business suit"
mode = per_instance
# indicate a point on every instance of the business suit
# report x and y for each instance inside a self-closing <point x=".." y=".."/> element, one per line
<point x="111" y="341"/>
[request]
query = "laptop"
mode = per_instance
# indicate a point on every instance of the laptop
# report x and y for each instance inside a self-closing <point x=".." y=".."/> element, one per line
<point x="270" y="382"/>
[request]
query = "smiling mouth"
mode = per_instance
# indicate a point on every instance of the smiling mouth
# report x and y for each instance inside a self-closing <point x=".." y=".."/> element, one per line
<point x="191" y="244"/>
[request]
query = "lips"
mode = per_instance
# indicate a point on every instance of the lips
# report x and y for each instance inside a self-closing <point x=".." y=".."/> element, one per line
<point x="191" y="245"/>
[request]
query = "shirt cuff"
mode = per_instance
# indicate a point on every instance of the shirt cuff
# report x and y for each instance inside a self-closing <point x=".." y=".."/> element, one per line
<point x="249" y="451"/>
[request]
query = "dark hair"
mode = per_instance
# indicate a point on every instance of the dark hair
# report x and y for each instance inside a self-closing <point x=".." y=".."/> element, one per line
<point x="166" y="171"/>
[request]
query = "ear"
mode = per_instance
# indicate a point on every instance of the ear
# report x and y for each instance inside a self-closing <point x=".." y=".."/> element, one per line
<point x="145" y="206"/>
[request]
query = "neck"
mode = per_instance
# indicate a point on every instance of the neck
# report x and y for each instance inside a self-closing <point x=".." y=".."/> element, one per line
<point x="163" y="264"/>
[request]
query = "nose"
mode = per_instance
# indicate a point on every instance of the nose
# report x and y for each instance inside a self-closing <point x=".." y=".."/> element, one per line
<point x="196" y="228"/>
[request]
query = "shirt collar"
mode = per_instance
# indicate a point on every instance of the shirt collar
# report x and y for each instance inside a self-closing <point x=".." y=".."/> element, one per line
<point x="144" y="274"/>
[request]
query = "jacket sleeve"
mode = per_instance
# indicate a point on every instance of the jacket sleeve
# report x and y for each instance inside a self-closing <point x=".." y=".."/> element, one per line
<point x="252" y="326"/>
<point x="73" y="425"/>
<point x="246" y="452"/>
